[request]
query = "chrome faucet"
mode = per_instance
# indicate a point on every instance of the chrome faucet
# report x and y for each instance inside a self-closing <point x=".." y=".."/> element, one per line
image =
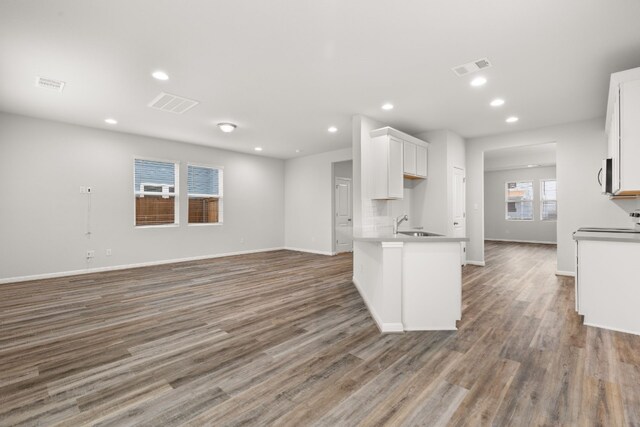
<point x="398" y="221"/>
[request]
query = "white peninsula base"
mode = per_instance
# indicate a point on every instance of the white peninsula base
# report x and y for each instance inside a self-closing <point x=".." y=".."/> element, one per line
<point x="410" y="285"/>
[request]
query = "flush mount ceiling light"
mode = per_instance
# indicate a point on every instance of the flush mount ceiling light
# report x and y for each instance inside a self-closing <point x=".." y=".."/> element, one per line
<point x="227" y="127"/>
<point x="111" y="121"/>
<point x="298" y="150"/>
<point x="497" y="102"/>
<point x="387" y="106"/>
<point x="160" y="75"/>
<point x="478" y="81"/>
<point x="512" y="119"/>
<point x="258" y="149"/>
<point x="333" y="129"/>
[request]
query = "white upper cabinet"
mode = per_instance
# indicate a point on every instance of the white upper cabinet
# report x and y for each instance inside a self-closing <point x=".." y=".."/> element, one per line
<point x="623" y="129"/>
<point x="410" y="165"/>
<point x="395" y="155"/>
<point x="415" y="159"/>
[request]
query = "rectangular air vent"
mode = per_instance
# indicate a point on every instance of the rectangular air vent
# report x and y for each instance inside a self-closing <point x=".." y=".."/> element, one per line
<point x="172" y="103"/>
<point x="471" y="67"/>
<point x="50" y="84"/>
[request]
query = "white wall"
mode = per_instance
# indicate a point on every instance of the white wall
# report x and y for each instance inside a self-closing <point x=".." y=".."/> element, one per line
<point x="496" y="225"/>
<point x="580" y="149"/>
<point x="433" y="201"/>
<point x="43" y="218"/>
<point x="309" y="201"/>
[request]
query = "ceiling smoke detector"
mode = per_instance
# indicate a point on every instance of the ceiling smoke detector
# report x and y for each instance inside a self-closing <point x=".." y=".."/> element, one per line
<point x="172" y="103"/>
<point x="471" y="67"/>
<point x="50" y="84"/>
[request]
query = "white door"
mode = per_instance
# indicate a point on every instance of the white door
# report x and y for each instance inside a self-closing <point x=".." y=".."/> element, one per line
<point x="344" y="225"/>
<point x="459" y="212"/>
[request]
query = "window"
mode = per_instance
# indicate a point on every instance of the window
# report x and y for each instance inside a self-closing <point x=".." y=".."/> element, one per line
<point x="548" y="200"/>
<point x="205" y="194"/>
<point x="519" y="201"/>
<point x="156" y="192"/>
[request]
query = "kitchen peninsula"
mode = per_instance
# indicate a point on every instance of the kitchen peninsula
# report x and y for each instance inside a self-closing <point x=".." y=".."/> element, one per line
<point x="409" y="283"/>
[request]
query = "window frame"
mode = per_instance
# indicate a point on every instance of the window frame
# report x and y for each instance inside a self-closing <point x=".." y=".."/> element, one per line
<point x="176" y="192"/>
<point x="507" y="201"/>
<point x="220" y="195"/>
<point x="542" y="200"/>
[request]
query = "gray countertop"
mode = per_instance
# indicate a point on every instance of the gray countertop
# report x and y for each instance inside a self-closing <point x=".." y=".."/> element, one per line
<point x="380" y="236"/>
<point x="607" y="237"/>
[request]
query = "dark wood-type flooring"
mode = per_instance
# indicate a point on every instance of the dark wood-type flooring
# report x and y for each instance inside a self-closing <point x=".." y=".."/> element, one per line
<point x="283" y="338"/>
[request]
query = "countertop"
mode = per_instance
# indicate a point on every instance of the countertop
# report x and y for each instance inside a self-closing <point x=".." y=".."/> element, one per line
<point x="379" y="236"/>
<point x="607" y="237"/>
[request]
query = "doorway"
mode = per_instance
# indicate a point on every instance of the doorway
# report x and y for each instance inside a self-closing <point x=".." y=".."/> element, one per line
<point x="342" y="207"/>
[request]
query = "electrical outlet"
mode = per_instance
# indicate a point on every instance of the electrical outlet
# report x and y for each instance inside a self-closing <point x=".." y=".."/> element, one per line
<point x="83" y="189"/>
<point x="91" y="253"/>
<point x="88" y="189"/>
<point x="242" y="240"/>
<point x="107" y="252"/>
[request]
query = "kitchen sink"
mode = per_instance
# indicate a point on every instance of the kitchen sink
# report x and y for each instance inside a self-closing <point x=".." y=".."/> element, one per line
<point x="419" y="234"/>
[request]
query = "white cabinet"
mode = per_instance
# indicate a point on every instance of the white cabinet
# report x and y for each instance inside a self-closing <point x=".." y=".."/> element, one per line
<point x="394" y="155"/>
<point x="623" y="129"/>
<point x="607" y="291"/>
<point x="410" y="159"/>
<point x="387" y="168"/>
<point x="415" y="160"/>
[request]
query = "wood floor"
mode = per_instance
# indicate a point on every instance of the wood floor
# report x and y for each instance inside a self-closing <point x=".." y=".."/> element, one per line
<point x="283" y="338"/>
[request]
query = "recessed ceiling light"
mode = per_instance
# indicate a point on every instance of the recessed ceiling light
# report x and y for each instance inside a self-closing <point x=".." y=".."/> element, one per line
<point x="111" y="121"/>
<point x="387" y="106"/>
<point x="512" y="119"/>
<point x="532" y="166"/>
<point x="478" y="81"/>
<point x="160" y="75"/>
<point x="297" y="151"/>
<point x="258" y="148"/>
<point x="227" y="127"/>
<point x="497" y="102"/>
<point x="333" y="129"/>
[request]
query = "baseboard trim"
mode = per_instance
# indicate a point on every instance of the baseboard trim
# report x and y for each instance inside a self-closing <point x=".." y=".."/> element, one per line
<point x="309" y="251"/>
<point x="128" y="266"/>
<point x="626" y="331"/>
<point x="478" y="263"/>
<point x="436" y="328"/>
<point x="565" y="273"/>
<point x="539" y="242"/>
<point x="382" y="326"/>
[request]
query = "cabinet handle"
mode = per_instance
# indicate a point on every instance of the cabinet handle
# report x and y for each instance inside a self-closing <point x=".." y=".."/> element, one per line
<point x="600" y="176"/>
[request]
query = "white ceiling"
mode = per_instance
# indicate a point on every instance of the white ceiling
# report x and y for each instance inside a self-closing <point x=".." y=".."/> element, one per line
<point x="520" y="157"/>
<point x="285" y="71"/>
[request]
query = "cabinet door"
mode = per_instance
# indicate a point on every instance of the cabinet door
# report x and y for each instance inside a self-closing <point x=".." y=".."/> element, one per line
<point x="409" y="155"/>
<point x="395" y="169"/>
<point x="629" y="131"/>
<point x="421" y="161"/>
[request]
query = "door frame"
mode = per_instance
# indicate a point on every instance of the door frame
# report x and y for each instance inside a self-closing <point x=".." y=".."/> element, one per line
<point x="463" y="245"/>
<point x="333" y="214"/>
<point x="333" y="203"/>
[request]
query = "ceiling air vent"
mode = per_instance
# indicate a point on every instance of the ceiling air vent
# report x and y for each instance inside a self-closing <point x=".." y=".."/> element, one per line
<point x="45" y="83"/>
<point x="471" y="67"/>
<point x="172" y="103"/>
